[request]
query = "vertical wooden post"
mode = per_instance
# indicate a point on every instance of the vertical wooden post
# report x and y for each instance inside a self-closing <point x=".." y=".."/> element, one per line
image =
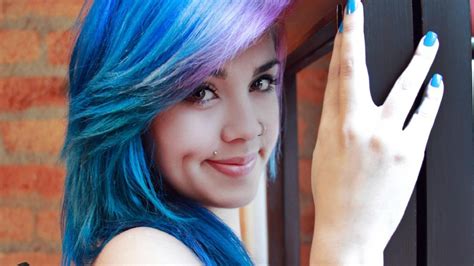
<point x="450" y="161"/>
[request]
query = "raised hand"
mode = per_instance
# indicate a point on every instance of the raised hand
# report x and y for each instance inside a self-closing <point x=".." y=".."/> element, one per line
<point x="365" y="165"/>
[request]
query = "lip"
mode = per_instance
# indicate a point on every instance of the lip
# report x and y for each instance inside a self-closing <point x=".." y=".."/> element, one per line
<point x="236" y="166"/>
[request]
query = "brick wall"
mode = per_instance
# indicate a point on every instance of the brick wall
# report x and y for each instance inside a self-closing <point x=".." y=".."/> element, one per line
<point x="311" y="83"/>
<point x="35" y="41"/>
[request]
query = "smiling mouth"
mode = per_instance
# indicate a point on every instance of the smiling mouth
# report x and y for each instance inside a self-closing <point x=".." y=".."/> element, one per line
<point x="235" y="167"/>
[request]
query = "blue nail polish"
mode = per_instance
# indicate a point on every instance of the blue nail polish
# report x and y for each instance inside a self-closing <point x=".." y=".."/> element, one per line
<point x="430" y="38"/>
<point x="339" y="17"/>
<point x="351" y="6"/>
<point x="341" y="27"/>
<point x="436" y="80"/>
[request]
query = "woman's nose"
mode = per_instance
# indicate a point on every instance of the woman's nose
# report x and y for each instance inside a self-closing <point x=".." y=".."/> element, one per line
<point x="241" y="122"/>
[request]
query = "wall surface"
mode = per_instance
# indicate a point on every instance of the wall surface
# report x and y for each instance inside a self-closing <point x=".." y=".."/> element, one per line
<point x="34" y="47"/>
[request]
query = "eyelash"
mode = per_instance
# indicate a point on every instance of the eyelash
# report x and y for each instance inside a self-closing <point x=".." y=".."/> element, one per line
<point x="272" y="82"/>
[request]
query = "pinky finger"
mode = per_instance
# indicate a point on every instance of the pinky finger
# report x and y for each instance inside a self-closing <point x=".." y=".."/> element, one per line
<point x="419" y="128"/>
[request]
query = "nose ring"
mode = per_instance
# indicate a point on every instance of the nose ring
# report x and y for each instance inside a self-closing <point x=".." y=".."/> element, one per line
<point x="263" y="129"/>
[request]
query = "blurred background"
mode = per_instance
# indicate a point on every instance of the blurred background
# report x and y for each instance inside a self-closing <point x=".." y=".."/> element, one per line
<point x="35" y="41"/>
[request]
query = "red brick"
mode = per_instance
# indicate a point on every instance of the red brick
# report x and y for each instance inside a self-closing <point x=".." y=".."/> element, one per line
<point x="25" y="180"/>
<point x="19" y="46"/>
<point x="16" y="225"/>
<point x="304" y="176"/>
<point x="311" y="85"/>
<point x="47" y="226"/>
<point x="33" y="136"/>
<point x="17" y="94"/>
<point x="33" y="258"/>
<point x="14" y="181"/>
<point x="2" y="12"/>
<point x="306" y="220"/>
<point x="50" y="182"/>
<point x="59" y="47"/>
<point x="14" y="9"/>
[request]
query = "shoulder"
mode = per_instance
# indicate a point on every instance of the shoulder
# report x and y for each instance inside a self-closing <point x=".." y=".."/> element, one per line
<point x="145" y="245"/>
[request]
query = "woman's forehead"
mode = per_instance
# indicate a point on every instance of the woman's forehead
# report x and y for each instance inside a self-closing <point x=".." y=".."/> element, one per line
<point x="260" y="53"/>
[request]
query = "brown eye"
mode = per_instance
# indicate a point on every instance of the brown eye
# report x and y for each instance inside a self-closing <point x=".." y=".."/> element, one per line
<point x="202" y="94"/>
<point x="264" y="83"/>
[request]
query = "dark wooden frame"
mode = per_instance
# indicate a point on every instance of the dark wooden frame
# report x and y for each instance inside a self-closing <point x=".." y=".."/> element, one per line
<point x="449" y="157"/>
<point x="438" y="225"/>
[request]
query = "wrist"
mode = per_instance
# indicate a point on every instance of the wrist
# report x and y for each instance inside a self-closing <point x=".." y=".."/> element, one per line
<point x="334" y="251"/>
<point x="324" y="256"/>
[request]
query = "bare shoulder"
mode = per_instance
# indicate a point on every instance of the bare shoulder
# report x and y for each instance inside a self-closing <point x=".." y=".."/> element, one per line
<point x="144" y="245"/>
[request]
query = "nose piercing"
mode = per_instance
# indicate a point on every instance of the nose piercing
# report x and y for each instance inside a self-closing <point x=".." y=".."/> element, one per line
<point x="263" y="129"/>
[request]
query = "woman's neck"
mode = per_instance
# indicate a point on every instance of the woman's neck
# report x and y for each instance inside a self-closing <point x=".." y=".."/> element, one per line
<point x="231" y="217"/>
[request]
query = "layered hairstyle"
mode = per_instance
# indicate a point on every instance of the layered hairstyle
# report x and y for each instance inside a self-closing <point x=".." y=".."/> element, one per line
<point x="131" y="61"/>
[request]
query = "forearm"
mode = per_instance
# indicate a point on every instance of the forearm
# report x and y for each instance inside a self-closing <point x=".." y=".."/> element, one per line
<point x="328" y="249"/>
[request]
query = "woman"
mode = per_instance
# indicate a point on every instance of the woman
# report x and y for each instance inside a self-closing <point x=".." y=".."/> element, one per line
<point x="174" y="116"/>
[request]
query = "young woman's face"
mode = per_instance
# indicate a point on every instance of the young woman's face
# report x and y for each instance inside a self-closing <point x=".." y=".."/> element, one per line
<point x="214" y="146"/>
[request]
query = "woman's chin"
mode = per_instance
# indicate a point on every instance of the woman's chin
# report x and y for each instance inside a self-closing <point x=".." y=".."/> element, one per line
<point x="231" y="200"/>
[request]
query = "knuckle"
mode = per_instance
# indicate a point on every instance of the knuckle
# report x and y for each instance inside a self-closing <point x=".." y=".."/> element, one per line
<point x="390" y="109"/>
<point x="422" y="58"/>
<point x="423" y="112"/>
<point x="333" y="75"/>
<point x="411" y="78"/>
<point x="433" y="95"/>
<point x="351" y="26"/>
<point x="386" y="145"/>
<point x="379" y="144"/>
<point x="419" y="53"/>
<point x="347" y="67"/>
<point x="401" y="153"/>
<point x="353" y="133"/>
<point x="404" y="84"/>
<point x="399" y="158"/>
<point x="428" y="107"/>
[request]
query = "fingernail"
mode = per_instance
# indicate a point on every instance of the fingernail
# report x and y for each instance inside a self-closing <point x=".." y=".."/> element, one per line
<point x="430" y="38"/>
<point x="351" y="6"/>
<point x="436" y="80"/>
<point x="339" y="16"/>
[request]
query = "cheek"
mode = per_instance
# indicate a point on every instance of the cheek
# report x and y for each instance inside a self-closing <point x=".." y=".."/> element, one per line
<point x="179" y="135"/>
<point x="270" y="115"/>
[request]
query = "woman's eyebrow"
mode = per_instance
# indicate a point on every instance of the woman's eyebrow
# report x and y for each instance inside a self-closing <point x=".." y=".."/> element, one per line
<point x="268" y="65"/>
<point x="222" y="74"/>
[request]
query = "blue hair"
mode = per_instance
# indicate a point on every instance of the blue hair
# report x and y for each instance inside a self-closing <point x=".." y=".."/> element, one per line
<point x="131" y="61"/>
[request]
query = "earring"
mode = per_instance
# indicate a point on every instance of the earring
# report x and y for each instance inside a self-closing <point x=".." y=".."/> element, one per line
<point x="263" y="129"/>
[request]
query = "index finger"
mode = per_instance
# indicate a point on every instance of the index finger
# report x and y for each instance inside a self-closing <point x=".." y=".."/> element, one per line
<point x="354" y="78"/>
